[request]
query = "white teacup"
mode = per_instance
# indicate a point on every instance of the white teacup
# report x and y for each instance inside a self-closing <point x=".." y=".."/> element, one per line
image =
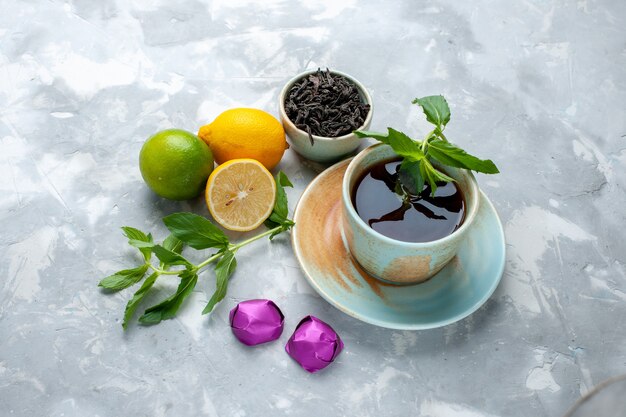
<point x="393" y="260"/>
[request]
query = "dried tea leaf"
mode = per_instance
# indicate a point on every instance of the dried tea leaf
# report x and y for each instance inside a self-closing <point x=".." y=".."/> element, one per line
<point x="326" y="104"/>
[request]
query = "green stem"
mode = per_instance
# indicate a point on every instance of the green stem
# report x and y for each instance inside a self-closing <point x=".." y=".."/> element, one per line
<point x="426" y="139"/>
<point x="257" y="237"/>
<point x="162" y="271"/>
<point x="208" y="261"/>
<point x="234" y="248"/>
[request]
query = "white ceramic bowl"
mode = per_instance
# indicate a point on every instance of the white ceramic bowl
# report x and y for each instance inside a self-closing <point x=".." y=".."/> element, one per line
<point x="324" y="149"/>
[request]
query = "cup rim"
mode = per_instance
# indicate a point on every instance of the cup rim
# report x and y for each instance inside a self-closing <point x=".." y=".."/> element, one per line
<point x="347" y="200"/>
<point x="296" y="78"/>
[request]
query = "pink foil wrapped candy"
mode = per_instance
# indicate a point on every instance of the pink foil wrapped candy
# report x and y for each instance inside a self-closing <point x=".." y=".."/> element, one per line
<point x="314" y="344"/>
<point x="256" y="321"/>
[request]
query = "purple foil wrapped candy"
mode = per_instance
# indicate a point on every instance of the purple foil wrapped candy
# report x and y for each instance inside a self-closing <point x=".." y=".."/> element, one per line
<point x="314" y="344"/>
<point x="256" y="321"/>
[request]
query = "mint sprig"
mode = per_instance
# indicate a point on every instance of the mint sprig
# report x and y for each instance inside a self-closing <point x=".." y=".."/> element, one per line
<point x="416" y="168"/>
<point x="196" y="232"/>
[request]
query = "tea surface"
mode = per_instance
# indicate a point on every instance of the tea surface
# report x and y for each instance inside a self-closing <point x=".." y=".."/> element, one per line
<point x="418" y="219"/>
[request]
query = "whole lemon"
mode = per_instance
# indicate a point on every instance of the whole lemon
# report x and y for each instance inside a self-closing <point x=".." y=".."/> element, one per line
<point x="175" y="164"/>
<point x="245" y="133"/>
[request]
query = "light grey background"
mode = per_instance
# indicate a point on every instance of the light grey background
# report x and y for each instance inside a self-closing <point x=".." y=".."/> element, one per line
<point x="539" y="86"/>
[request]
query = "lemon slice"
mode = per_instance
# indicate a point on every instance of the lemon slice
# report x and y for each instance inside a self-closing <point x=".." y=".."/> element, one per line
<point x="240" y="194"/>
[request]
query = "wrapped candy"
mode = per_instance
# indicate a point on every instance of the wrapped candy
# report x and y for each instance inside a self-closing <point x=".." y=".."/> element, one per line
<point x="314" y="344"/>
<point x="256" y="321"/>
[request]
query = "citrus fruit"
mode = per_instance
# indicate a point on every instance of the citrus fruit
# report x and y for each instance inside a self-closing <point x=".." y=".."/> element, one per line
<point x="175" y="164"/>
<point x="240" y="194"/>
<point x="245" y="133"/>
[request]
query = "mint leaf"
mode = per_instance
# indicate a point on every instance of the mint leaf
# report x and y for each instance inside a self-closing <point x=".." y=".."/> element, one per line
<point x="196" y="231"/>
<point x="439" y="175"/>
<point x="223" y="270"/>
<point x="124" y="278"/>
<point x="274" y="220"/>
<point x="449" y="154"/>
<point x="403" y="145"/>
<point x="281" y="208"/>
<point x="168" y="307"/>
<point x="131" y="306"/>
<point x="136" y="234"/>
<point x="140" y="244"/>
<point x="410" y="177"/>
<point x="425" y="172"/>
<point x="139" y="239"/>
<point x="436" y="110"/>
<point x="174" y="244"/>
<point x="432" y="176"/>
<point x="283" y="180"/>
<point x="168" y="257"/>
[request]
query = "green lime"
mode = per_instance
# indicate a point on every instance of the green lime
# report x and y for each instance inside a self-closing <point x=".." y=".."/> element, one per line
<point x="175" y="164"/>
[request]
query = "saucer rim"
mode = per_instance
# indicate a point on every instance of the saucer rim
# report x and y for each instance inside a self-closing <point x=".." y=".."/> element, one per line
<point x="485" y="204"/>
